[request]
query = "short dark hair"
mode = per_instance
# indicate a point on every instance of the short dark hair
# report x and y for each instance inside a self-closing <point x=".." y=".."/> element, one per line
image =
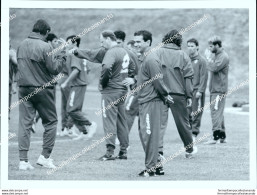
<point x="193" y="40"/>
<point x="41" y="26"/>
<point x="74" y="39"/>
<point x="173" y="37"/>
<point x="109" y="33"/>
<point x="51" y="37"/>
<point x="131" y="42"/>
<point x="120" y="35"/>
<point x="146" y="35"/>
<point x="215" y="40"/>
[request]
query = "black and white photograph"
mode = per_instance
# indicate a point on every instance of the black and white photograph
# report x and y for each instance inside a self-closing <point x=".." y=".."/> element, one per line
<point x="129" y="94"/>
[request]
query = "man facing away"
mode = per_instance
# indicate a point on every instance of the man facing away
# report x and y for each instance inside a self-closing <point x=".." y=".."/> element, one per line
<point x="35" y="69"/>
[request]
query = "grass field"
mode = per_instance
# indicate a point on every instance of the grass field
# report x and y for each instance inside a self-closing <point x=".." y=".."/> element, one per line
<point x="216" y="162"/>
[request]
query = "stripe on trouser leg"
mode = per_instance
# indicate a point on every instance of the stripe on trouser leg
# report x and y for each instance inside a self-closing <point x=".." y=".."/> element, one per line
<point x="148" y="127"/>
<point x="216" y="107"/>
<point x="103" y="106"/>
<point x="72" y="98"/>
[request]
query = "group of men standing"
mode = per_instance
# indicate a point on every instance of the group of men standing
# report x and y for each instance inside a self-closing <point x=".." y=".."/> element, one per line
<point x="180" y="87"/>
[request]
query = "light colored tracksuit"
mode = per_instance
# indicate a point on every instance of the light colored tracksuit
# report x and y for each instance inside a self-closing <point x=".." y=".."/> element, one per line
<point x="218" y="87"/>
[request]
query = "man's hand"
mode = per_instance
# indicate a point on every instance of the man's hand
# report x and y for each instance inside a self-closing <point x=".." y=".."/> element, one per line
<point x="208" y="54"/>
<point x="72" y="51"/>
<point x="198" y="95"/>
<point x="12" y="53"/>
<point x="169" y="100"/>
<point x="189" y="102"/>
<point x="128" y="81"/>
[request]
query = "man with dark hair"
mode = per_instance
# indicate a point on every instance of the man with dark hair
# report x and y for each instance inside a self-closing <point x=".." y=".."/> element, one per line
<point x="116" y="66"/>
<point x="218" y="67"/>
<point x="199" y="85"/>
<point x="150" y="101"/>
<point x="120" y="37"/>
<point x="177" y="75"/>
<point x="77" y="81"/>
<point x="35" y="69"/>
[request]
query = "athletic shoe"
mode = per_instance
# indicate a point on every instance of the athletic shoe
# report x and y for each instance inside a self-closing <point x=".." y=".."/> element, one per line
<point x="144" y="173"/>
<point x="72" y="132"/>
<point x="46" y="162"/>
<point x="25" y="166"/>
<point x="65" y="132"/>
<point x="107" y="157"/>
<point x="192" y="154"/>
<point x="223" y="141"/>
<point x="117" y="142"/>
<point x="81" y="136"/>
<point x="91" y="129"/>
<point x="159" y="171"/>
<point x="122" y="156"/>
<point x="211" y="141"/>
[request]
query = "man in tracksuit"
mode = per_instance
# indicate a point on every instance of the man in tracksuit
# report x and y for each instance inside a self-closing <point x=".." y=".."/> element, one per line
<point x="131" y="103"/>
<point x="177" y="75"/>
<point x="35" y="69"/>
<point x="152" y="93"/>
<point x="218" y="67"/>
<point x="199" y="85"/>
<point x="77" y="81"/>
<point x="116" y="66"/>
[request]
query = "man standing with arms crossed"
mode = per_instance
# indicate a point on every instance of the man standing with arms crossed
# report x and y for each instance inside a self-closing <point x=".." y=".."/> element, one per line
<point x="150" y="101"/>
<point x="35" y="69"/>
<point x="199" y="85"/>
<point x="177" y="75"/>
<point x="218" y="67"/>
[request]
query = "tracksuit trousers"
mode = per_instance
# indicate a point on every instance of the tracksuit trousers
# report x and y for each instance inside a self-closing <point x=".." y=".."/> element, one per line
<point x="181" y="117"/>
<point x="114" y="120"/>
<point x="42" y="102"/>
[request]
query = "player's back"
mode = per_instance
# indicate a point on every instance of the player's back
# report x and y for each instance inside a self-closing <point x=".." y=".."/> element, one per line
<point x="115" y="70"/>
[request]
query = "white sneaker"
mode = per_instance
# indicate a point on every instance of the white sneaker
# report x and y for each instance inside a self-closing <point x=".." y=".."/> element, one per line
<point x="117" y="142"/>
<point x="91" y="129"/>
<point x="25" y="166"/>
<point x="72" y="132"/>
<point x="65" y="132"/>
<point x="81" y="136"/>
<point x="192" y="154"/>
<point x="46" y="162"/>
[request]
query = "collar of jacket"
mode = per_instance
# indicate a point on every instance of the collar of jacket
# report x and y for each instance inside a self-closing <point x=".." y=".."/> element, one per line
<point x="220" y="51"/>
<point x="195" y="57"/>
<point x="171" y="46"/>
<point x="34" y="35"/>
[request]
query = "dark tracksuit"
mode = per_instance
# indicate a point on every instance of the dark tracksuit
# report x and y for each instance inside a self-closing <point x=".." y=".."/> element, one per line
<point x="77" y="94"/>
<point x="177" y="75"/>
<point x="66" y="119"/>
<point x="199" y="85"/>
<point x="12" y="70"/>
<point x="150" y="104"/>
<point x="36" y="68"/>
<point x="218" y="86"/>
<point x="115" y="68"/>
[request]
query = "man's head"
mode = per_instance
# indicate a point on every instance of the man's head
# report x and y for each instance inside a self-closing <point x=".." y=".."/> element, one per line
<point x="73" y="41"/>
<point x="143" y="40"/>
<point x="120" y="37"/>
<point x="107" y="39"/>
<point x="214" y="44"/>
<point x="192" y="46"/>
<point x="173" y="37"/>
<point x="42" y="27"/>
<point x="52" y="39"/>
